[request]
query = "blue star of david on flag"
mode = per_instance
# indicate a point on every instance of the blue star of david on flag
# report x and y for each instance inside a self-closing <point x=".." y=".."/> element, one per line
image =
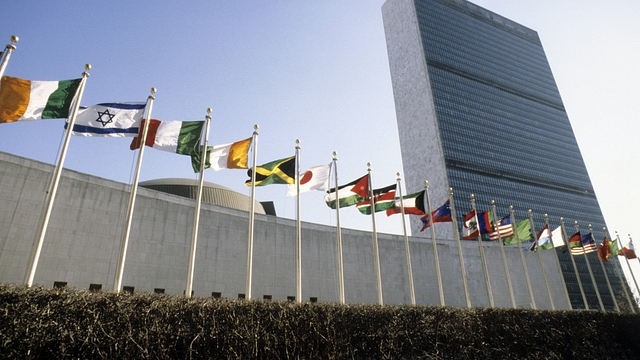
<point x="101" y="117"/>
<point x="109" y="119"/>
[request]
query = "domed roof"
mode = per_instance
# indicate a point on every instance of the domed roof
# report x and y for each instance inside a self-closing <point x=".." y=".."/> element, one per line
<point x="211" y="193"/>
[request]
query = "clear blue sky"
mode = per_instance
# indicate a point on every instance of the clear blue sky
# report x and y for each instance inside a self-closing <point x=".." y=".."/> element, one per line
<point x="310" y="70"/>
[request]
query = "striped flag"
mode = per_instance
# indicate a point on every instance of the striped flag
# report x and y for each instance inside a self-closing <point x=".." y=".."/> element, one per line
<point x="109" y="119"/>
<point x="575" y="244"/>
<point x="383" y="199"/>
<point x="348" y="194"/>
<point x="22" y="100"/>
<point x="588" y="244"/>
<point x="180" y="137"/>
<point x="503" y="230"/>
<point x="412" y="204"/>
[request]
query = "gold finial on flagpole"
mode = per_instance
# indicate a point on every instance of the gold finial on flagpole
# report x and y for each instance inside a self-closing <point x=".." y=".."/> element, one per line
<point x="14" y="39"/>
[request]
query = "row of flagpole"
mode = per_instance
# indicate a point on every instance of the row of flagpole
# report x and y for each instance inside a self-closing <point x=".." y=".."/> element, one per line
<point x="372" y="203"/>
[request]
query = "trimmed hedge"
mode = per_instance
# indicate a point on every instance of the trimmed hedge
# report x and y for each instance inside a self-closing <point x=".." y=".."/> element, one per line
<point x="66" y="323"/>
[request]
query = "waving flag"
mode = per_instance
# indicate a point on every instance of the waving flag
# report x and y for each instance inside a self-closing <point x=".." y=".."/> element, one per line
<point x="588" y="244"/>
<point x="109" y="119"/>
<point x="315" y="178"/>
<point x="349" y="194"/>
<point x="441" y="214"/>
<point x="485" y="219"/>
<point x="470" y="230"/>
<point x="504" y="229"/>
<point x="575" y="244"/>
<point x="383" y="199"/>
<point x="413" y="204"/>
<point x="275" y="172"/>
<point x="543" y="240"/>
<point x="556" y="237"/>
<point x="604" y="250"/>
<point x="22" y="100"/>
<point x="629" y="251"/>
<point x="180" y="137"/>
<point x="523" y="230"/>
<point x="225" y="156"/>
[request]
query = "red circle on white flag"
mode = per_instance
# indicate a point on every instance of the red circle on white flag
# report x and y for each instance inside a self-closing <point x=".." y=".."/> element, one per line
<point x="306" y="177"/>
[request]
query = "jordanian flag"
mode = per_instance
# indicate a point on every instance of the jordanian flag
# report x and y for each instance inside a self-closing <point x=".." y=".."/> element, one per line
<point x="35" y="100"/>
<point x="349" y="194"/>
<point x="383" y="199"/>
<point x="276" y="172"/>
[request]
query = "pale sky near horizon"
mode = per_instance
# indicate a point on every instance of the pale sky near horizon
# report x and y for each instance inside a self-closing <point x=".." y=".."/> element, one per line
<point x="311" y="70"/>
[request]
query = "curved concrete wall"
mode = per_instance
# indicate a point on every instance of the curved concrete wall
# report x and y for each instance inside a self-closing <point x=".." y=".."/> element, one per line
<point x="83" y="243"/>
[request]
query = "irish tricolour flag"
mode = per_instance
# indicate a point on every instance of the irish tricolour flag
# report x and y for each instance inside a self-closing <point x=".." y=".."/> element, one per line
<point x="180" y="137"/>
<point x="35" y="100"/>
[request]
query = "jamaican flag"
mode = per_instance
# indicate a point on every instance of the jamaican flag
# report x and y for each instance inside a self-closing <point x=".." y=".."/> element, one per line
<point x="276" y="172"/>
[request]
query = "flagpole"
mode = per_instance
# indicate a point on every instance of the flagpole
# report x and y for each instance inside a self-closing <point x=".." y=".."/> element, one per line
<point x="619" y="271"/>
<point x="55" y="180"/>
<point x="629" y="265"/>
<point x="251" y="215"/>
<point x="504" y="257"/>
<point x="8" y="50"/>
<point x="456" y="234"/>
<point x="407" y="253"/>
<point x="564" y="283"/>
<point x="573" y="262"/>
<point x="434" y="243"/>
<point x="512" y="220"/>
<point x="117" y="284"/>
<point x="341" y="296"/>
<point x="196" y="217"/>
<point x="586" y="259"/>
<point x="604" y="272"/>
<point x="376" y="253"/>
<point x="537" y="247"/>
<point x="298" y="230"/>
<point x="481" y="251"/>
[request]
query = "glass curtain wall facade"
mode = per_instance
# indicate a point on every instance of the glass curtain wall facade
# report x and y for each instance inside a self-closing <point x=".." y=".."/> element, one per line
<point x="499" y="123"/>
